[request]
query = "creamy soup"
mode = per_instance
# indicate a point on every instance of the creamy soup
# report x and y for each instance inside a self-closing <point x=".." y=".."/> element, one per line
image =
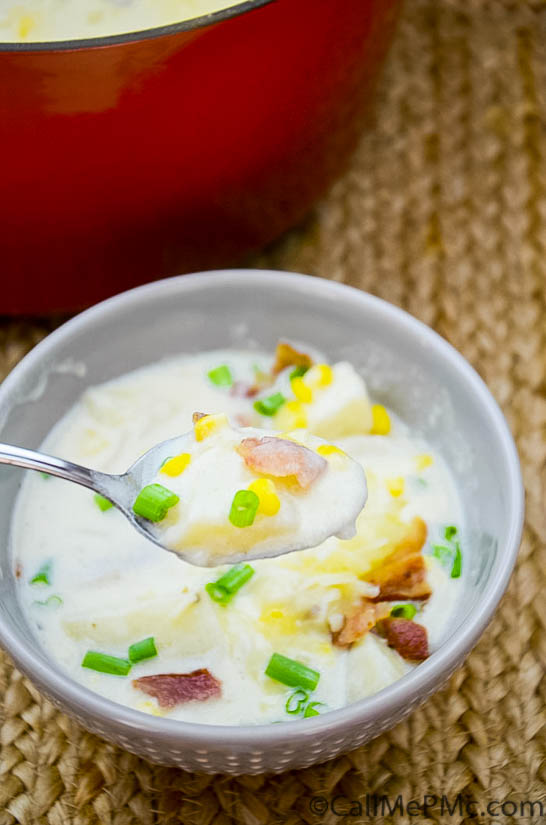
<point x="47" y="20"/>
<point x="274" y="640"/>
<point x="235" y="493"/>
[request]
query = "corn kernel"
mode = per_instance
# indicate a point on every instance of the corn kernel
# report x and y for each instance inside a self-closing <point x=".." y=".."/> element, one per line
<point x="320" y="375"/>
<point x="330" y="449"/>
<point x="291" y="416"/>
<point x="26" y="24"/>
<point x="266" y="491"/>
<point x="301" y="390"/>
<point x="279" y="621"/>
<point x="423" y="461"/>
<point x="176" y="466"/>
<point x="208" y="425"/>
<point x="381" y="421"/>
<point x="395" y="486"/>
<point x="150" y="707"/>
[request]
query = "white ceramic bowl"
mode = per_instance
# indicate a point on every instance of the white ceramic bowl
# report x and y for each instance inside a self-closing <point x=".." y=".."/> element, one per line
<point x="405" y="364"/>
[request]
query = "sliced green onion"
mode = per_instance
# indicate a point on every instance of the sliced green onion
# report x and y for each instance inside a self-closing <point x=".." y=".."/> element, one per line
<point x="442" y="553"/>
<point x="225" y="588"/>
<point x="43" y="574"/>
<point x="102" y="502"/>
<point x="244" y="508"/>
<point x="450" y="532"/>
<point x="297" y="701"/>
<point x="221" y="376"/>
<point x="106" y="664"/>
<point x="311" y="709"/>
<point x="457" y="563"/>
<point x="270" y="405"/>
<point x="291" y="673"/>
<point x="153" y="501"/>
<point x="404" y="611"/>
<point x="145" y="649"/>
<point x="52" y="601"/>
<point x="450" y="555"/>
<point x="297" y="372"/>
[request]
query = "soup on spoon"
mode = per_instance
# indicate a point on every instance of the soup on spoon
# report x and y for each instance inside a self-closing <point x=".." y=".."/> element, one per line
<point x="244" y="493"/>
<point x="221" y="481"/>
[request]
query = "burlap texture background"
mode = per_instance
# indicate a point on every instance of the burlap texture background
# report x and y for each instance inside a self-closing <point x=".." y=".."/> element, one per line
<point x="442" y="212"/>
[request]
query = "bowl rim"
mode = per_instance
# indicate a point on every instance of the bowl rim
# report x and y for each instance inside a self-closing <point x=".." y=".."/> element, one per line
<point x="410" y="688"/>
<point x="203" y="21"/>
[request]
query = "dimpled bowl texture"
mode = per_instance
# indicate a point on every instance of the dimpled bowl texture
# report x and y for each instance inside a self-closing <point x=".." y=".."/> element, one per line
<point x="406" y="366"/>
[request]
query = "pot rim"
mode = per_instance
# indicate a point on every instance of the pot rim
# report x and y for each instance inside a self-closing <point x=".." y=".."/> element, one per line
<point x="191" y="24"/>
<point x="408" y="691"/>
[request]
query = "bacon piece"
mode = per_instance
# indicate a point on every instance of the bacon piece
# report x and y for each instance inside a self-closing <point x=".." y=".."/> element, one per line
<point x="408" y="638"/>
<point x="359" y="621"/>
<point x="240" y="389"/>
<point x="403" y="573"/>
<point x="280" y="457"/>
<point x="197" y="416"/>
<point x="172" y="689"/>
<point x="401" y="576"/>
<point x="287" y="356"/>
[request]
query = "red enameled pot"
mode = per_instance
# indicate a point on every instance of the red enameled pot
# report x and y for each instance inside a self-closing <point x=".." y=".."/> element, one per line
<point x="133" y="157"/>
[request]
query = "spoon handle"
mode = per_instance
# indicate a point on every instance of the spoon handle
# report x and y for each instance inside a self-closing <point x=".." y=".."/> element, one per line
<point x="32" y="460"/>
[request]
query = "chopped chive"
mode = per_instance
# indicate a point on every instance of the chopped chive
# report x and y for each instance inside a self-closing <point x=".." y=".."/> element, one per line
<point x="106" y="664"/>
<point x="297" y="701"/>
<point x="298" y="372"/>
<point x="153" y="501"/>
<point x="457" y="563"/>
<point x="311" y="709"/>
<point x="291" y="673"/>
<point x="450" y="556"/>
<point x="225" y="588"/>
<point x="145" y="649"/>
<point x="52" y="601"/>
<point x="404" y="611"/>
<point x="270" y="405"/>
<point x="221" y="376"/>
<point x="43" y="574"/>
<point x="102" y="502"/>
<point x="45" y="476"/>
<point x="442" y="553"/>
<point x="421" y="482"/>
<point x="244" y="508"/>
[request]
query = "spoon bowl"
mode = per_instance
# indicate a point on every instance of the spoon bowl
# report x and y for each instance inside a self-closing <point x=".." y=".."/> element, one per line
<point x="123" y="490"/>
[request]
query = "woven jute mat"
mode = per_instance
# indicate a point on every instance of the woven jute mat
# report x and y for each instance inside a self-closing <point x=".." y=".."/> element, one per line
<point x="444" y="213"/>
